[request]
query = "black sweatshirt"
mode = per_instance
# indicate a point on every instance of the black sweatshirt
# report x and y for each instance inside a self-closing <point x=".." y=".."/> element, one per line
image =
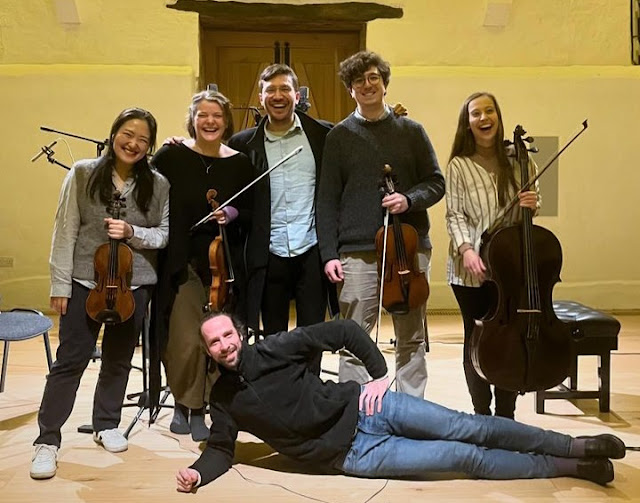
<point x="275" y="397"/>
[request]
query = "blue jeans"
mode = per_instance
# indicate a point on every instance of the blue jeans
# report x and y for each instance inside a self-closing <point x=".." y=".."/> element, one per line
<point x="412" y="437"/>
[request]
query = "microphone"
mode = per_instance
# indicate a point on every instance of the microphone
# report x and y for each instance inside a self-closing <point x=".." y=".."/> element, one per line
<point x="303" y="104"/>
<point x="304" y="94"/>
<point x="43" y="150"/>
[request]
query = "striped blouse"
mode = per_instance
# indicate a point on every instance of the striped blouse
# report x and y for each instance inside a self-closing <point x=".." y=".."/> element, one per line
<point x="472" y="207"/>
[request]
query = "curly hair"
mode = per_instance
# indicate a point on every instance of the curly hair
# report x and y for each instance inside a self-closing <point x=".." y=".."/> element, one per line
<point x="355" y="66"/>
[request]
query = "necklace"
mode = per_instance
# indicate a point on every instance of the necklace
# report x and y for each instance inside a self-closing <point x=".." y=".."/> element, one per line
<point x="207" y="167"/>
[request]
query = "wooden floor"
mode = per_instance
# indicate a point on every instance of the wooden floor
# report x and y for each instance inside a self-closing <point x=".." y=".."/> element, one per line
<point x="145" y="473"/>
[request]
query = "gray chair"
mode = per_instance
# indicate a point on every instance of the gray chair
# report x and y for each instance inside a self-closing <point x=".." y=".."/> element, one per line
<point x="20" y="325"/>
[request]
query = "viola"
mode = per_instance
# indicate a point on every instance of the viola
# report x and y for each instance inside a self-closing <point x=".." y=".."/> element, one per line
<point x="222" y="276"/>
<point x="521" y="345"/>
<point x="111" y="301"/>
<point x="402" y="286"/>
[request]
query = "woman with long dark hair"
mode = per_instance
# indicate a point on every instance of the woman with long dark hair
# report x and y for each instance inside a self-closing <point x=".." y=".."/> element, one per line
<point x="480" y="182"/>
<point x="82" y="224"/>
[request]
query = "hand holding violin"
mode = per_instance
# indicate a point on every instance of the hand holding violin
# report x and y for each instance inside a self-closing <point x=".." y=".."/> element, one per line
<point x="118" y="229"/>
<point x="396" y="203"/>
<point x="220" y="216"/>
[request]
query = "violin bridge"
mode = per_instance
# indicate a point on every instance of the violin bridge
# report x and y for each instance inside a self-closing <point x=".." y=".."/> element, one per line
<point x="528" y="311"/>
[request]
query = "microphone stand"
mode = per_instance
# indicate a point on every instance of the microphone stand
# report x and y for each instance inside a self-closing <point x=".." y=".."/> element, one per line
<point x="100" y="145"/>
<point x="47" y="151"/>
<point x="255" y="111"/>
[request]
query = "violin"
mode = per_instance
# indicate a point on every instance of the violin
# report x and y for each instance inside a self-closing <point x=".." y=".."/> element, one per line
<point x="402" y="286"/>
<point x="111" y="301"/>
<point x="222" y="276"/>
<point x="521" y="345"/>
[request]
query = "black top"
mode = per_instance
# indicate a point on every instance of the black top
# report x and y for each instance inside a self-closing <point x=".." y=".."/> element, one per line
<point x="251" y="142"/>
<point x="274" y="396"/>
<point x="191" y="175"/>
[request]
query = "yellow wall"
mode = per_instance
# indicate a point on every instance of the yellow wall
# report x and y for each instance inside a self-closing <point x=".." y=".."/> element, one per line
<point x="554" y="64"/>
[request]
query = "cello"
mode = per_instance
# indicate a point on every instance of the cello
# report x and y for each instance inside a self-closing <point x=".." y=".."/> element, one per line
<point x="402" y="286"/>
<point x="521" y="345"/>
<point x="222" y="276"/>
<point x="111" y="301"/>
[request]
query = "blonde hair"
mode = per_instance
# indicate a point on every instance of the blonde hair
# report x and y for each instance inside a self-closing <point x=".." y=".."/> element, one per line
<point x="214" y="97"/>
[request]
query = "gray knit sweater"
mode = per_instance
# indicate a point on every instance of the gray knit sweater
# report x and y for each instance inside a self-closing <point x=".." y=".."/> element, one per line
<point x="349" y="211"/>
<point x="80" y="229"/>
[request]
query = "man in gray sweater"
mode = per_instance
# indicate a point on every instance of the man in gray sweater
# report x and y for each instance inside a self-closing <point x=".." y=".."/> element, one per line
<point x="350" y="210"/>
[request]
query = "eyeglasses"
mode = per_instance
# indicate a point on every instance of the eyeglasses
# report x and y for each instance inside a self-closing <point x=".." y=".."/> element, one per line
<point x="372" y="78"/>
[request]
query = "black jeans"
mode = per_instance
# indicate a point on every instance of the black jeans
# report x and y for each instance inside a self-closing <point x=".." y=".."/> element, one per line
<point x="300" y="278"/>
<point x="474" y="304"/>
<point x="78" y="335"/>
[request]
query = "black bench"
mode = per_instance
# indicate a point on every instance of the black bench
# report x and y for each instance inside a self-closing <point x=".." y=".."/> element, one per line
<point x="595" y="333"/>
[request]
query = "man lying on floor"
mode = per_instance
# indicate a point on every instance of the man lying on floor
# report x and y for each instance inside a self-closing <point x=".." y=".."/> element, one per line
<point x="267" y="390"/>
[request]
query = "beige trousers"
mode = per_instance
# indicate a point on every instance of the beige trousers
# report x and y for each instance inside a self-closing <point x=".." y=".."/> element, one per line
<point x="358" y="298"/>
<point x="185" y="359"/>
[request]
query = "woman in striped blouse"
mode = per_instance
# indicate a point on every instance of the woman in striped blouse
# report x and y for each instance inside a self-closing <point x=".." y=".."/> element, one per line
<point x="480" y="181"/>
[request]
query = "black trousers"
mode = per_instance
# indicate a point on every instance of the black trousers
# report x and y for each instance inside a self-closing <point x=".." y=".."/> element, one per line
<point x="474" y="304"/>
<point x="300" y="278"/>
<point x="78" y="336"/>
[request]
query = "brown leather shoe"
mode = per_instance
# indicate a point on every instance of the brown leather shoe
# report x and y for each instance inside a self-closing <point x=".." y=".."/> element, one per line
<point x="604" y="446"/>
<point x="598" y="470"/>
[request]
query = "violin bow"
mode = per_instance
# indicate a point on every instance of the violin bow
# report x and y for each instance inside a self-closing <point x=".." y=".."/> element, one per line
<point x="386" y="171"/>
<point x="384" y="263"/>
<point x="535" y="178"/>
<point x="249" y="185"/>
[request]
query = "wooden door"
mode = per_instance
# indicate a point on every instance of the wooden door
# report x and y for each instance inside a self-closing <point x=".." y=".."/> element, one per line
<point x="234" y="60"/>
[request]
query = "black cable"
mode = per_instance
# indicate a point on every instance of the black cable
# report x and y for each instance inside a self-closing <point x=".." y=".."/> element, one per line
<point x="273" y="484"/>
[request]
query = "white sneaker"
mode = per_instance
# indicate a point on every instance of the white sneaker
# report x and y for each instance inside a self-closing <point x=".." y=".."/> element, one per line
<point x="112" y="440"/>
<point x="44" y="461"/>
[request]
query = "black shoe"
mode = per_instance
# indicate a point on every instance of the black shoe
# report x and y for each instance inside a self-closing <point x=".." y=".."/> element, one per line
<point x="598" y="470"/>
<point x="604" y="446"/>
